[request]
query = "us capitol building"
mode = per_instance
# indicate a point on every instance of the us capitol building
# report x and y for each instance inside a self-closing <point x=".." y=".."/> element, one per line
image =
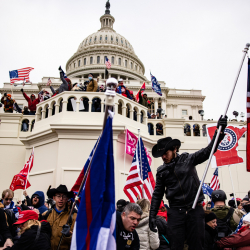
<point x="63" y="139"/>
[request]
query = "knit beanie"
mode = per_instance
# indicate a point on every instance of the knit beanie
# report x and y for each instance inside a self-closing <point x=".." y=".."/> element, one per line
<point x="209" y="217"/>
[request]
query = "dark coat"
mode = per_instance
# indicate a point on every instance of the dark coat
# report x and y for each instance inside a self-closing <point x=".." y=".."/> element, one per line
<point x="162" y="227"/>
<point x="210" y="238"/>
<point x="4" y="230"/>
<point x="125" y="240"/>
<point x="179" y="179"/>
<point x="27" y="239"/>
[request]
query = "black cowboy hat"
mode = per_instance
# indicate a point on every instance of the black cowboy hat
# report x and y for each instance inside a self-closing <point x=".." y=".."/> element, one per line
<point x="60" y="189"/>
<point x="163" y="145"/>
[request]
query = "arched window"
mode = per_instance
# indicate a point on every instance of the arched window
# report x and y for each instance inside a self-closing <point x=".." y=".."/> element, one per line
<point x="96" y="105"/>
<point x="204" y="130"/>
<point x="100" y="38"/>
<point x="120" y="61"/>
<point x="111" y="38"/>
<point x="150" y="128"/>
<point x="85" y="61"/>
<point x="113" y="60"/>
<point x="159" y="129"/>
<point x="136" y="67"/>
<point x="98" y="59"/>
<point x="90" y="39"/>
<point x="74" y="65"/>
<point x="131" y="65"/>
<point x="79" y="63"/>
<point x="196" y="129"/>
<point x="95" y="39"/>
<point x="91" y="60"/>
<point x="126" y="63"/>
<point x="126" y="43"/>
<point x="25" y="125"/>
<point x="86" y="41"/>
<point x="117" y="39"/>
<point x="121" y="41"/>
<point x="187" y="130"/>
<point x="106" y="38"/>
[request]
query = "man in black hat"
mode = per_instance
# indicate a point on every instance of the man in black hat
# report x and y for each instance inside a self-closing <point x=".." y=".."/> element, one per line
<point x="177" y="177"/>
<point x="58" y="216"/>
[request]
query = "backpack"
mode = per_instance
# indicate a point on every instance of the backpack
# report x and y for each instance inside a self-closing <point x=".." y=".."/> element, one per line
<point x="223" y="225"/>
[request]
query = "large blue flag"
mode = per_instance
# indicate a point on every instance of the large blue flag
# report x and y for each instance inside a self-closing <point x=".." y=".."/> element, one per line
<point x="207" y="190"/>
<point x="155" y="85"/>
<point x="96" y="218"/>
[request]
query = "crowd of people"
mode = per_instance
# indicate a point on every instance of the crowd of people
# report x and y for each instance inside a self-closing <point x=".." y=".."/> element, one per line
<point x="90" y="85"/>
<point x="34" y="223"/>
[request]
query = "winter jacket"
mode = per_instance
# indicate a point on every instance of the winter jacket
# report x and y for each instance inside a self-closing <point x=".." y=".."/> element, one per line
<point x="40" y="206"/>
<point x="4" y="229"/>
<point x="179" y="179"/>
<point x="12" y="207"/>
<point x="27" y="239"/>
<point x="92" y="86"/>
<point x="148" y="239"/>
<point x="56" y="221"/>
<point x="8" y="104"/>
<point x="163" y="230"/>
<point x="125" y="240"/>
<point x="10" y="219"/>
<point x="144" y="102"/>
<point x="31" y="104"/>
<point x="123" y="91"/>
<point x="239" y="241"/>
<point x="210" y="238"/>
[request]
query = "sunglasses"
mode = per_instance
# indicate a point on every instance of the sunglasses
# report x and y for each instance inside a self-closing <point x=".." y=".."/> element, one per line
<point x="9" y="199"/>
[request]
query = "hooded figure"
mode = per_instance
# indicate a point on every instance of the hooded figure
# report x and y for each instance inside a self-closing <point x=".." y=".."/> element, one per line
<point x="37" y="201"/>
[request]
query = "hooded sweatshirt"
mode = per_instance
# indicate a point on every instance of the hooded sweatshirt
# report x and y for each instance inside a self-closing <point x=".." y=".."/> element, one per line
<point x="40" y="206"/>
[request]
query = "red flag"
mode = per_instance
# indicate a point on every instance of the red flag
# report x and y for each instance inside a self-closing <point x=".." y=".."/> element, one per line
<point x="19" y="180"/>
<point x="248" y="117"/>
<point x="143" y="87"/>
<point x="227" y="152"/>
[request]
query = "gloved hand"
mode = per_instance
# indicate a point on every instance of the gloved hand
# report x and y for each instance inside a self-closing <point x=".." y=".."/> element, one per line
<point x="22" y="90"/>
<point x="60" y="69"/>
<point x="152" y="224"/>
<point x="222" y="122"/>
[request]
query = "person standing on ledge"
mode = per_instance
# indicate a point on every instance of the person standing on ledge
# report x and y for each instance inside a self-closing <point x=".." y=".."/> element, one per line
<point x="178" y="178"/>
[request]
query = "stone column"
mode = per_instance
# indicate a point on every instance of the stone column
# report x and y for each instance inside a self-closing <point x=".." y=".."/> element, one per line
<point x="43" y="114"/>
<point x="77" y="105"/>
<point x="175" y="111"/>
<point x="138" y="117"/>
<point x="131" y="113"/>
<point x="124" y="110"/>
<point x="156" y="104"/>
<point x="50" y="112"/>
<point x="102" y="106"/>
<point x="64" y="108"/>
<point x="57" y="108"/>
<point x="90" y="106"/>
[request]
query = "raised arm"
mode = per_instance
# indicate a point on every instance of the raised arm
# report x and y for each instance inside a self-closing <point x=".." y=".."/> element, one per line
<point x="25" y="96"/>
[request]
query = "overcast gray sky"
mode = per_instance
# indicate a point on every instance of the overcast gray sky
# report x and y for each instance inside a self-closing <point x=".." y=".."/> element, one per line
<point x="190" y="44"/>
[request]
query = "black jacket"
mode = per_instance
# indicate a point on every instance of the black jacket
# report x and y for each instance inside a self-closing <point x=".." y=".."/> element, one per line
<point x="125" y="240"/>
<point x="179" y="179"/>
<point x="210" y="238"/>
<point x="163" y="230"/>
<point x="4" y="229"/>
<point x="27" y="239"/>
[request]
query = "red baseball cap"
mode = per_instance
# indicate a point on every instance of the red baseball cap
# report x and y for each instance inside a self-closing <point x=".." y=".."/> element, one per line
<point x="25" y="216"/>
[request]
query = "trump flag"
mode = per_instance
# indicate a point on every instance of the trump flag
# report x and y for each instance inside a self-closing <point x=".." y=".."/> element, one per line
<point x="96" y="217"/>
<point x="227" y="152"/>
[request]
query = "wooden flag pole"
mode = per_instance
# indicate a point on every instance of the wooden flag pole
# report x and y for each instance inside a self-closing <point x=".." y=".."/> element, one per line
<point x="219" y="129"/>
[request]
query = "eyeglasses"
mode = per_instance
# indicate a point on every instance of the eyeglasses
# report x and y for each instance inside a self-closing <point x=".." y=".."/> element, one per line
<point x="9" y="199"/>
<point x="64" y="197"/>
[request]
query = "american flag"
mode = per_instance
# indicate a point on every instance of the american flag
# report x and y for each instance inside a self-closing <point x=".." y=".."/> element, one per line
<point x="49" y="82"/>
<point x="215" y="184"/>
<point x="108" y="63"/>
<point x="248" y="117"/>
<point x="20" y="75"/>
<point x="140" y="182"/>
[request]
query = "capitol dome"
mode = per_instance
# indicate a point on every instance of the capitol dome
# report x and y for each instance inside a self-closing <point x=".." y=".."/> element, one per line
<point x="91" y="53"/>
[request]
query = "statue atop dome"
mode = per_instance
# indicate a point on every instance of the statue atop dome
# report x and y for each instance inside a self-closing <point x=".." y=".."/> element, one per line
<point x="107" y="11"/>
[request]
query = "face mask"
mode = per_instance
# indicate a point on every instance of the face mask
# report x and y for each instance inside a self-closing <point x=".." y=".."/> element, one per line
<point x="78" y="85"/>
<point x="90" y="78"/>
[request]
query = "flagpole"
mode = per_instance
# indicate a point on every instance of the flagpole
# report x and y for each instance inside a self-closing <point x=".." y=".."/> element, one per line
<point x="28" y="172"/>
<point x="109" y="106"/>
<point x="219" y="129"/>
<point x="232" y="185"/>
<point x="125" y="153"/>
<point x="139" y="139"/>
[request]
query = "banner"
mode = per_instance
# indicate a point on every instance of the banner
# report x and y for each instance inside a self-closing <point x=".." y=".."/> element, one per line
<point x="131" y="141"/>
<point x="227" y="152"/>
